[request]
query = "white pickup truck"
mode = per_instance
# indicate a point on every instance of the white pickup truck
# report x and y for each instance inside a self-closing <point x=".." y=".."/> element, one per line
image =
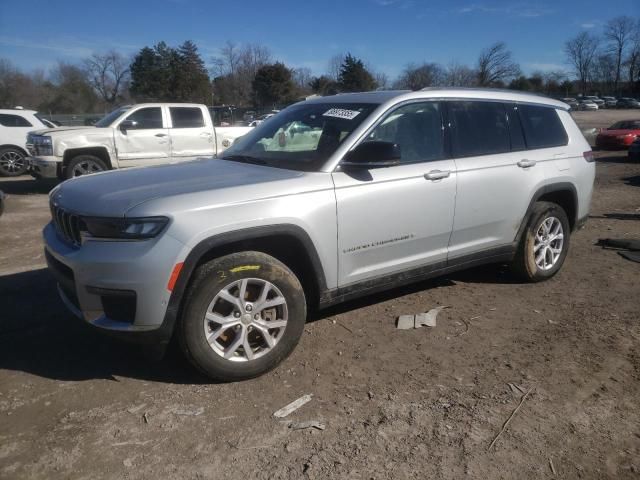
<point x="131" y="136"/>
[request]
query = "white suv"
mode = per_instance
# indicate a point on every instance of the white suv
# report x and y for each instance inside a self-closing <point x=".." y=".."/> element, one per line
<point x="330" y="199"/>
<point x="15" y="124"/>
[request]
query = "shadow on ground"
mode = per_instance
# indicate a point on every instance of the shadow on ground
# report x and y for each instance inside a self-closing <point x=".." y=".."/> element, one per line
<point x="38" y="335"/>
<point x="632" y="181"/>
<point x="27" y="186"/>
<point x="616" y="156"/>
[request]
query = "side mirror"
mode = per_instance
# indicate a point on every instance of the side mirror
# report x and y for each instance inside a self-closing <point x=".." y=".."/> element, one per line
<point x="128" y="125"/>
<point x="373" y="155"/>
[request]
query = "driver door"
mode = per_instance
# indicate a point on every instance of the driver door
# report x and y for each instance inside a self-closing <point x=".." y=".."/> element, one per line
<point x="398" y="218"/>
<point x="145" y="141"/>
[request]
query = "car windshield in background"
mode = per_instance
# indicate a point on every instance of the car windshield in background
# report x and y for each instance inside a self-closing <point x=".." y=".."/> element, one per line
<point x="302" y="137"/>
<point x="109" y="119"/>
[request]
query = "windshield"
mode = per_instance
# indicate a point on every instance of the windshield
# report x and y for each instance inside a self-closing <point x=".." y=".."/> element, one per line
<point x="625" y="125"/>
<point x="109" y="119"/>
<point x="302" y="137"/>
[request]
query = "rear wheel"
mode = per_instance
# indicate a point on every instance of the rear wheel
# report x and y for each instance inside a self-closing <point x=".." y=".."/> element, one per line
<point x="84" y="165"/>
<point x="544" y="244"/>
<point x="13" y="162"/>
<point x="244" y="314"/>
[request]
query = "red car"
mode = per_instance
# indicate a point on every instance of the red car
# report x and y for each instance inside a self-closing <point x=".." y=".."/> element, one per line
<point x="619" y="135"/>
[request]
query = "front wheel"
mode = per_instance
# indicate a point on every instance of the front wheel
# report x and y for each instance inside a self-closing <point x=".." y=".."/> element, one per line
<point x="13" y="162"/>
<point x="544" y="244"/>
<point x="84" y="165"/>
<point x="244" y="314"/>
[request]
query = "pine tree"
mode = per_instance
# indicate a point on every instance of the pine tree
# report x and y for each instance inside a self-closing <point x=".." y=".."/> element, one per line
<point x="354" y="76"/>
<point x="273" y="85"/>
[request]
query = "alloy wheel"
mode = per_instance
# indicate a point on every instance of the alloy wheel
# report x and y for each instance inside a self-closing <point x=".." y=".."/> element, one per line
<point x="86" y="167"/>
<point x="12" y="162"/>
<point x="246" y="320"/>
<point x="548" y="243"/>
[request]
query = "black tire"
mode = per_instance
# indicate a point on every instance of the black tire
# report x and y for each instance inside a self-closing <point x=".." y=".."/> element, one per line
<point x="86" y="163"/>
<point x="214" y="276"/>
<point x="524" y="263"/>
<point x="13" y="162"/>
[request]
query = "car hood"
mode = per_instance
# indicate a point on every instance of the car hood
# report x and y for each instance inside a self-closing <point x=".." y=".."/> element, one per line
<point x="63" y="131"/>
<point x="113" y="193"/>
<point x="617" y="133"/>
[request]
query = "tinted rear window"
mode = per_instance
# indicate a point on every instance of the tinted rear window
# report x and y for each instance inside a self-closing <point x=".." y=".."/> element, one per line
<point x="8" y="120"/>
<point x="186" y="117"/>
<point x="542" y="127"/>
<point x="479" y="128"/>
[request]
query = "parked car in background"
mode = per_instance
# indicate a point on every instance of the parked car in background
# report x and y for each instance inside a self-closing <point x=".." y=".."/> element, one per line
<point x="610" y="102"/>
<point x="619" y="135"/>
<point x="131" y="136"/>
<point x="333" y="198"/>
<point x="626" y="102"/>
<point x="262" y="118"/>
<point x="572" y="102"/>
<point x="587" y="105"/>
<point x="14" y="126"/>
<point x="634" y="151"/>
<point x="597" y="100"/>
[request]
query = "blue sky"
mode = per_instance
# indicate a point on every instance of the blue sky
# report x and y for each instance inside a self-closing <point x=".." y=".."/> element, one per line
<point x="386" y="33"/>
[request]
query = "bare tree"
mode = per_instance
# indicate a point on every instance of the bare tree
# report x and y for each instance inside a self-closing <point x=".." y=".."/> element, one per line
<point x="620" y="32"/>
<point x="382" y="80"/>
<point x="108" y="74"/>
<point x="416" y="77"/>
<point x="632" y="62"/>
<point x="334" y="66"/>
<point x="227" y="62"/>
<point x="458" y="75"/>
<point x="496" y="65"/>
<point x="581" y="51"/>
<point x="235" y="68"/>
<point x="302" y="79"/>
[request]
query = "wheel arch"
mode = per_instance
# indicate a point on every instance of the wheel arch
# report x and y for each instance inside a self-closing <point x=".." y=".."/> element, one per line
<point x="17" y="147"/>
<point x="287" y="242"/>
<point x="564" y="194"/>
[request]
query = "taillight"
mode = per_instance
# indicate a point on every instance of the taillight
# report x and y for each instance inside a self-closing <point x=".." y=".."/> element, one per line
<point x="588" y="156"/>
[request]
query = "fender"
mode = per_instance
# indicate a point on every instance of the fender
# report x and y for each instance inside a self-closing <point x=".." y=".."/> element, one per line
<point x="206" y="245"/>
<point x="553" y="187"/>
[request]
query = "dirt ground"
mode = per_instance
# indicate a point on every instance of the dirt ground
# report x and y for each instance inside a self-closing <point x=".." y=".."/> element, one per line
<point x="423" y="403"/>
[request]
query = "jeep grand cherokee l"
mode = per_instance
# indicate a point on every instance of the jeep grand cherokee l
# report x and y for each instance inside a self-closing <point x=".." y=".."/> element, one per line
<point x="330" y="199"/>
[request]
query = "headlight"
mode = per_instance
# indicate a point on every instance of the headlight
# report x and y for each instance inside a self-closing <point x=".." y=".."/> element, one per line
<point x="43" y="145"/>
<point x="41" y="140"/>
<point x="125" y="228"/>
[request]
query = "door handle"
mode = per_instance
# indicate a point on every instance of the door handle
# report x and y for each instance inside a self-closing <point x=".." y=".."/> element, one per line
<point x="526" y="163"/>
<point x="437" y="174"/>
<point x="161" y="135"/>
<point x="205" y="135"/>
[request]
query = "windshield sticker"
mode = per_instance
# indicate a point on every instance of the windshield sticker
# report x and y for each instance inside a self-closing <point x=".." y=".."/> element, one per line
<point x="341" y="113"/>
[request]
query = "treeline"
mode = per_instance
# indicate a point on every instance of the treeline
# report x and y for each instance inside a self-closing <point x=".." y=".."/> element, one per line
<point x="249" y="75"/>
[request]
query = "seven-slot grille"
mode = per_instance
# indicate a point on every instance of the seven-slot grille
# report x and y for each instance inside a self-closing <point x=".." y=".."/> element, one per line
<point x="67" y="225"/>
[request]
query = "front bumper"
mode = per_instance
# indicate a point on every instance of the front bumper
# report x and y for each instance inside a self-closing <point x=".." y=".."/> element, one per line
<point x="45" y="167"/>
<point x="116" y="286"/>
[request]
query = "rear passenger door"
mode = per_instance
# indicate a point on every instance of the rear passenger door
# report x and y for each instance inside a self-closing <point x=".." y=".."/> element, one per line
<point x="496" y="177"/>
<point x="191" y="135"/>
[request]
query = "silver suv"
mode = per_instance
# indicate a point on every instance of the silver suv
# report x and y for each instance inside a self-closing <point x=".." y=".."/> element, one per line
<point x="330" y="199"/>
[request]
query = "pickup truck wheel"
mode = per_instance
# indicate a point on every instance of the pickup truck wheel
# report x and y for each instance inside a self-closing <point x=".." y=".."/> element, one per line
<point x="244" y="314"/>
<point x="544" y="244"/>
<point x="84" y="165"/>
<point x="13" y="162"/>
